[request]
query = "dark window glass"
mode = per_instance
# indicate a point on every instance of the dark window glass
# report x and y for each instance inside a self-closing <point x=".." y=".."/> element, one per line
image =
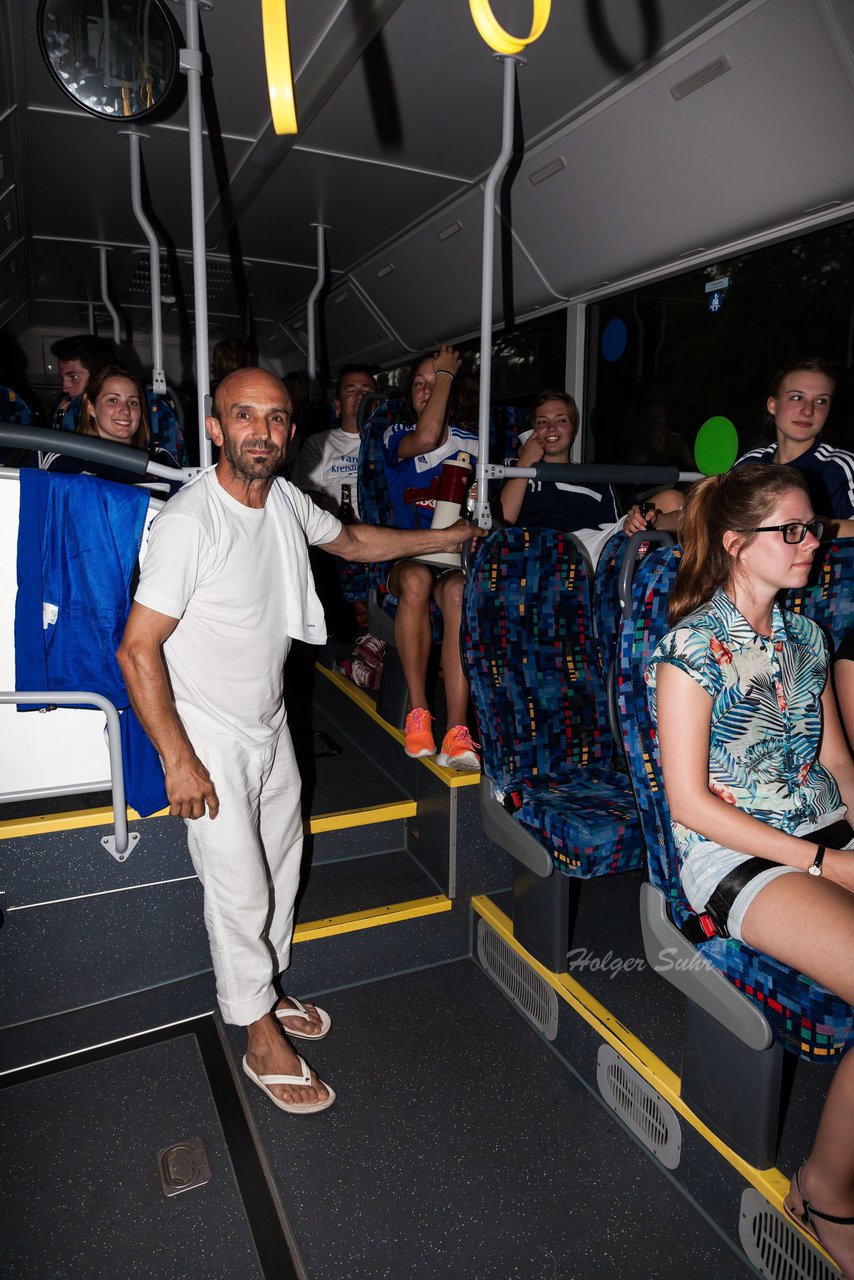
<point x="663" y="359"/>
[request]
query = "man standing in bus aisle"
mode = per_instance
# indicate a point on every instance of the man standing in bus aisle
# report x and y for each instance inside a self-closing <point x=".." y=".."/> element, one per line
<point x="413" y="460"/>
<point x="224" y="589"/>
<point x="77" y="359"/>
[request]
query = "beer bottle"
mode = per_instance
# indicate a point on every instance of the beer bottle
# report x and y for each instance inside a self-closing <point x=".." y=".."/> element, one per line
<point x="346" y="514"/>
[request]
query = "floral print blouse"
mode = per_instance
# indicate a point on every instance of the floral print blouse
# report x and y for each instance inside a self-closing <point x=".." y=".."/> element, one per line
<point x="766" y="715"/>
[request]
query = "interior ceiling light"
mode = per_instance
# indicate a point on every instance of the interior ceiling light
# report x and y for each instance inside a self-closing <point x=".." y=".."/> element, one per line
<point x="495" y="35"/>
<point x="280" y="79"/>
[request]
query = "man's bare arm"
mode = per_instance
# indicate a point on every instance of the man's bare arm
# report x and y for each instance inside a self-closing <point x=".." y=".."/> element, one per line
<point x="140" y="656"/>
<point x="368" y="542"/>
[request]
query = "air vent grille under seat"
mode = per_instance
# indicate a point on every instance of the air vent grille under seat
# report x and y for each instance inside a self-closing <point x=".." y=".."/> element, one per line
<point x="775" y="1246"/>
<point x="640" y="1108"/>
<point x="528" y="991"/>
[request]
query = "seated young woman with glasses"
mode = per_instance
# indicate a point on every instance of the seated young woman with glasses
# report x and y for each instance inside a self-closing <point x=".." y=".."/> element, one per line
<point x="758" y="775"/>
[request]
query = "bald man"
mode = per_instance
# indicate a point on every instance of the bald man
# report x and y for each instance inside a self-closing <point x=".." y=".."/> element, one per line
<point x="225" y="587"/>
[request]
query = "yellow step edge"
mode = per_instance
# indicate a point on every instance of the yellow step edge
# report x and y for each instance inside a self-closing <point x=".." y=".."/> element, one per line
<point x="38" y="824"/>
<point x="770" y="1183"/>
<point x="370" y="919"/>
<point x="450" y="777"/>
<point x="75" y="820"/>
<point x="344" y="819"/>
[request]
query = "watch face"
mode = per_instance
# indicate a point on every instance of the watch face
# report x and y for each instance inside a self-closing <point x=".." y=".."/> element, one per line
<point x="115" y="58"/>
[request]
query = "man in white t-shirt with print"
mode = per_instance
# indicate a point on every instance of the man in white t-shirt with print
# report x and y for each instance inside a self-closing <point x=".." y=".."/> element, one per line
<point x="330" y="459"/>
<point x="225" y="587"/>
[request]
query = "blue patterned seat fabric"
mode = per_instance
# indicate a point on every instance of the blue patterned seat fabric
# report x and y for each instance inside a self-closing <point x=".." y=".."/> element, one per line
<point x="14" y="409"/>
<point x="606" y="599"/>
<point x="828" y="597"/>
<point x="540" y="701"/>
<point x="805" y="1017"/>
<point x="166" y="430"/>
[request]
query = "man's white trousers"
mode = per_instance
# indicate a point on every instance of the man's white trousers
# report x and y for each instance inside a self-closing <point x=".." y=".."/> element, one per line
<point x="248" y="860"/>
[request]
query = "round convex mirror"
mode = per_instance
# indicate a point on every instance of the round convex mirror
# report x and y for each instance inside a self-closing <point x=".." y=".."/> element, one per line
<point x="115" y="58"/>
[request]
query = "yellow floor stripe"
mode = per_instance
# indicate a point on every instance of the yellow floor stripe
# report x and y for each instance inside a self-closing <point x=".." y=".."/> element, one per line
<point x="370" y="919"/>
<point x="450" y="777"/>
<point x="771" y="1183"/>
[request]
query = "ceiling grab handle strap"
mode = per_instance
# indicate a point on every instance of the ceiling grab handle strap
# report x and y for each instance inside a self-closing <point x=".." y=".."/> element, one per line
<point x="495" y="35"/>
<point x="277" y="54"/>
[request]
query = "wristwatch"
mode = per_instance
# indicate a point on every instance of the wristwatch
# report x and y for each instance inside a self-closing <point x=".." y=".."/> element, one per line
<point x="815" y="868"/>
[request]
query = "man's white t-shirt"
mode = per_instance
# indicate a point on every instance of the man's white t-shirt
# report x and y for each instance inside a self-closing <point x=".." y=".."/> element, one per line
<point x="239" y="581"/>
<point x="327" y="460"/>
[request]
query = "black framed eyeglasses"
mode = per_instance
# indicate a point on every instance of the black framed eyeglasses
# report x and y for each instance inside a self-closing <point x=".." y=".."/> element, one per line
<point x="794" y="531"/>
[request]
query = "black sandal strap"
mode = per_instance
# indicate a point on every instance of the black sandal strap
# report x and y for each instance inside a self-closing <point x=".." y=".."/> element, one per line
<point x="811" y="1212"/>
<point x="826" y="1217"/>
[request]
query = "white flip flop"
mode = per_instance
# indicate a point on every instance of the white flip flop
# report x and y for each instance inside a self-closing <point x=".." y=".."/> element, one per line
<point x="299" y="1011"/>
<point x="297" y="1108"/>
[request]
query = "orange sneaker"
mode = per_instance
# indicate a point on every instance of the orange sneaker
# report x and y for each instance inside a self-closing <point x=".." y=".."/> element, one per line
<point x="418" y="735"/>
<point x="458" y="750"/>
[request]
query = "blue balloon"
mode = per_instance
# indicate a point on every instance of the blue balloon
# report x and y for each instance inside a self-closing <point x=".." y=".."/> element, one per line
<point x="614" y="339"/>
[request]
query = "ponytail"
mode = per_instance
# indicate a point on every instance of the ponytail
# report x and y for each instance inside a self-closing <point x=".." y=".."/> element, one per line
<point x="739" y="500"/>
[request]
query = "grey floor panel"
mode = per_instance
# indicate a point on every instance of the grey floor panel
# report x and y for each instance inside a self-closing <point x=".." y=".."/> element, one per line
<point x="461" y="1147"/>
<point x="111" y="945"/>
<point x="79" y="1188"/>
<point x="99" y="1024"/>
<point x="356" y="884"/>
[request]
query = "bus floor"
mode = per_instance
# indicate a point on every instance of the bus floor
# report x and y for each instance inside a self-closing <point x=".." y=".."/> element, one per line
<point x="460" y="1145"/>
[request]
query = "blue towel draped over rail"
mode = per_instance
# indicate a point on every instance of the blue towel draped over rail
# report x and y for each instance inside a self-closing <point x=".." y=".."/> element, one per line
<point x="78" y="545"/>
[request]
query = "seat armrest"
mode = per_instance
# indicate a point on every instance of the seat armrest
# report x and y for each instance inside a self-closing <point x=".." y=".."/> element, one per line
<point x="510" y="835"/>
<point x="680" y="963"/>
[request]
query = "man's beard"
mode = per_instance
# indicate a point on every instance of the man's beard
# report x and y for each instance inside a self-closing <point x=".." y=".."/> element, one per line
<point x="252" y="468"/>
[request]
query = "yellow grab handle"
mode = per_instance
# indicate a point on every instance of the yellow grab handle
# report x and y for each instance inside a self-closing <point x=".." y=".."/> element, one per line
<point x="277" y="53"/>
<point x="495" y="35"/>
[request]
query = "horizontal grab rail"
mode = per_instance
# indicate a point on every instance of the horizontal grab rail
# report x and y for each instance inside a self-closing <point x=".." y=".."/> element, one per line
<point x="593" y="473"/>
<point x="114" y="745"/>
<point x="89" y="448"/>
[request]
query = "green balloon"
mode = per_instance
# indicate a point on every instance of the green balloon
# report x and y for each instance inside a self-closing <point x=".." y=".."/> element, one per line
<point x="716" y="446"/>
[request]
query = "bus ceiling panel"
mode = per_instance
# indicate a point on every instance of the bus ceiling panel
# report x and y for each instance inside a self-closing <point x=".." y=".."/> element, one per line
<point x="428" y="92"/>
<point x="73" y="194"/>
<point x="649" y="178"/>
<point x="61" y="270"/>
<point x="841" y="26"/>
<point x="354" y="331"/>
<point x="345" y="37"/>
<point x="364" y="343"/>
<point x="229" y="283"/>
<point x="428" y="285"/>
<point x="362" y="204"/>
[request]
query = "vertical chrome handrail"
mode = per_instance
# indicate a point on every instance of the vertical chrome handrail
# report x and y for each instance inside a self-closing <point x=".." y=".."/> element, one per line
<point x="482" y="513"/>
<point x="158" y="374"/>
<point x="191" y="65"/>
<point x="311" y="305"/>
<point x="105" y="295"/>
